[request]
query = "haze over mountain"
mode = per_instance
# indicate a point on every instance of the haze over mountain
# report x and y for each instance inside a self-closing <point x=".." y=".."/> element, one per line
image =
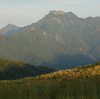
<point x="61" y="40"/>
<point x="9" y="29"/>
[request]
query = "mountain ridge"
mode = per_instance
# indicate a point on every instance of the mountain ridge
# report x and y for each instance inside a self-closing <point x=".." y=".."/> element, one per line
<point x="8" y="29"/>
<point x="59" y="11"/>
<point x="60" y="41"/>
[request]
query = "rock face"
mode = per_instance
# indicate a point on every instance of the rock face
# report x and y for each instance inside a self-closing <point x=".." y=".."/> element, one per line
<point x="58" y="12"/>
<point x="61" y="40"/>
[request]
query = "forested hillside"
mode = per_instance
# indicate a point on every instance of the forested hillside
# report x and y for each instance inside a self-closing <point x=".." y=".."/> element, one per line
<point x="10" y="70"/>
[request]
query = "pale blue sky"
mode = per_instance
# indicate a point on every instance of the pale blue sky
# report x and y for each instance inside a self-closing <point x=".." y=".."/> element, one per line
<point x="24" y="12"/>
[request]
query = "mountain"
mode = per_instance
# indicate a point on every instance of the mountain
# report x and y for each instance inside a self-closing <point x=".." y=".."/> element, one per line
<point x="60" y="40"/>
<point x="9" y="29"/>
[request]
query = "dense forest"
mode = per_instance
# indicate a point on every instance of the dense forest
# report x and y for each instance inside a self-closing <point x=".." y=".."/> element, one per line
<point x="15" y="70"/>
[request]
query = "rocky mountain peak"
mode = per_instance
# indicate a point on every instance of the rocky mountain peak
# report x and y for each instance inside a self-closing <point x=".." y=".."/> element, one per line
<point x="57" y="12"/>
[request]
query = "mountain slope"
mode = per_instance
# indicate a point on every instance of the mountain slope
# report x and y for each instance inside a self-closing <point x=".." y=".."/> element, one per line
<point x="88" y="72"/>
<point x="61" y="40"/>
<point x="78" y="83"/>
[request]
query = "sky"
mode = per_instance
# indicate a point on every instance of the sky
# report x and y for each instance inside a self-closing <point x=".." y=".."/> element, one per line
<point x="25" y="12"/>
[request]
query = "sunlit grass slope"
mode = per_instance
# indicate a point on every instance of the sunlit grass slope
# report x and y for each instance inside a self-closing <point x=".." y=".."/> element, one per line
<point x="78" y="83"/>
<point x="88" y="71"/>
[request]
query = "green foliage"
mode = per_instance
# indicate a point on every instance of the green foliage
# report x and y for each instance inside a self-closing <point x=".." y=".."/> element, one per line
<point x="15" y="70"/>
<point x="53" y="89"/>
<point x="87" y="72"/>
<point x="63" y="85"/>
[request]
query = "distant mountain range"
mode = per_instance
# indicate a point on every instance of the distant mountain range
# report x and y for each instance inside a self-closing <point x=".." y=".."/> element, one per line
<point x="61" y="40"/>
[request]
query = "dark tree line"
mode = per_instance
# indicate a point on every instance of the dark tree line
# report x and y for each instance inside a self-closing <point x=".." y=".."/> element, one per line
<point x="10" y="70"/>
